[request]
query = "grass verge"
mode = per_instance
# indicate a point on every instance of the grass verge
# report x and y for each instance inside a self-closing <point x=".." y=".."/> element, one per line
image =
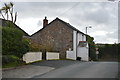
<point x="13" y="64"/>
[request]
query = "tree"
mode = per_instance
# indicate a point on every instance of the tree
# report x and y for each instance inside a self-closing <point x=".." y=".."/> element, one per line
<point x="6" y="8"/>
<point x="7" y="11"/>
<point x="1" y="12"/>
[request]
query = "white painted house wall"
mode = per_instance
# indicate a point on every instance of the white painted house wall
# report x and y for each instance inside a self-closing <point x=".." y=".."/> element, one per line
<point x="75" y="43"/>
<point x="72" y="54"/>
<point x="32" y="57"/>
<point x="77" y="50"/>
<point x="80" y="37"/>
<point x="52" y="55"/>
<point x="83" y="52"/>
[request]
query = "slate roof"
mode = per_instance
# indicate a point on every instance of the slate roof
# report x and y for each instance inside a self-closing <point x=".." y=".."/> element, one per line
<point x="70" y="26"/>
<point x="26" y="34"/>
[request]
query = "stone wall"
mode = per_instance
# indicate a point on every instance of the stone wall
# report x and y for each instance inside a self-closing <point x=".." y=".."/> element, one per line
<point x="56" y="36"/>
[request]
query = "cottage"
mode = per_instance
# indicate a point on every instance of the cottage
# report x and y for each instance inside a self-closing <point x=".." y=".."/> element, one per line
<point x="61" y="37"/>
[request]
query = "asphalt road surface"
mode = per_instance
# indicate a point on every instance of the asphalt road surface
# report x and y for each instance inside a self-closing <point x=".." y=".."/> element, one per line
<point x="84" y="70"/>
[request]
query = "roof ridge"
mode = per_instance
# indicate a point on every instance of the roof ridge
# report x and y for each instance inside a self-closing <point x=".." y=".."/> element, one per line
<point x="70" y="25"/>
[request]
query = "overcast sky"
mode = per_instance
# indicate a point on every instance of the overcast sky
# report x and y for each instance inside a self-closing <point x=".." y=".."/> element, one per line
<point x="102" y="16"/>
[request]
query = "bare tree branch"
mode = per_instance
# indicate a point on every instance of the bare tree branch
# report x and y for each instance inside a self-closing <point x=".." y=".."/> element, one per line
<point x="7" y="11"/>
<point x="2" y="14"/>
<point x="15" y="17"/>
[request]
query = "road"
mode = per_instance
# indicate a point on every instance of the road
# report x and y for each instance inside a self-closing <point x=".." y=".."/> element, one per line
<point x="38" y="68"/>
<point x="84" y="70"/>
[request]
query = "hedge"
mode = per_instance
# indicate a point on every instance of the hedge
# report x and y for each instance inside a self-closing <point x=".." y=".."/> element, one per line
<point x="14" y="46"/>
<point x="92" y="48"/>
<point x="13" y="42"/>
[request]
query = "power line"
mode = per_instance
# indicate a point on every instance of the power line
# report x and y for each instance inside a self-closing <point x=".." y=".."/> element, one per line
<point x="69" y="9"/>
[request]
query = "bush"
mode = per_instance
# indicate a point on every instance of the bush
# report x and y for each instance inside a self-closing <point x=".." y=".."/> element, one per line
<point x="11" y="61"/>
<point x="9" y="58"/>
<point x="13" y="42"/>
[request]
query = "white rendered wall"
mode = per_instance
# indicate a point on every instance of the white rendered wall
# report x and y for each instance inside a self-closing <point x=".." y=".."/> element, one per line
<point x="70" y="55"/>
<point x="78" y="51"/>
<point x="80" y="37"/>
<point x="52" y="55"/>
<point x="85" y="38"/>
<point x="74" y="43"/>
<point x="83" y="53"/>
<point x="32" y="57"/>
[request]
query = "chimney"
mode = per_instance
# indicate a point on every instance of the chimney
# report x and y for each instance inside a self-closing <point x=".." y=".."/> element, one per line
<point x="45" y="22"/>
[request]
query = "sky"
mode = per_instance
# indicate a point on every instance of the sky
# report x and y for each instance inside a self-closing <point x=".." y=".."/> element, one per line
<point x="102" y="16"/>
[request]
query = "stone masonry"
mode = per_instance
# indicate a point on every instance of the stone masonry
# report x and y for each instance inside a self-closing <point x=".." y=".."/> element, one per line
<point x="56" y="35"/>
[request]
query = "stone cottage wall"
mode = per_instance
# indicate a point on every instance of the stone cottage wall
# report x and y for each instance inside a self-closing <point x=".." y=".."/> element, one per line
<point x="57" y="36"/>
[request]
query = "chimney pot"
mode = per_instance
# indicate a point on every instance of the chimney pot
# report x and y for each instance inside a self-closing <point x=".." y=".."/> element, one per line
<point x="45" y="22"/>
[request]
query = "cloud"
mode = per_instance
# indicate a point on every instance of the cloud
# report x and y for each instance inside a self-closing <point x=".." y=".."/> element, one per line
<point x="39" y="23"/>
<point x="99" y="33"/>
<point x="102" y="16"/>
<point x="30" y="25"/>
<point x="113" y="35"/>
<point x="40" y="9"/>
